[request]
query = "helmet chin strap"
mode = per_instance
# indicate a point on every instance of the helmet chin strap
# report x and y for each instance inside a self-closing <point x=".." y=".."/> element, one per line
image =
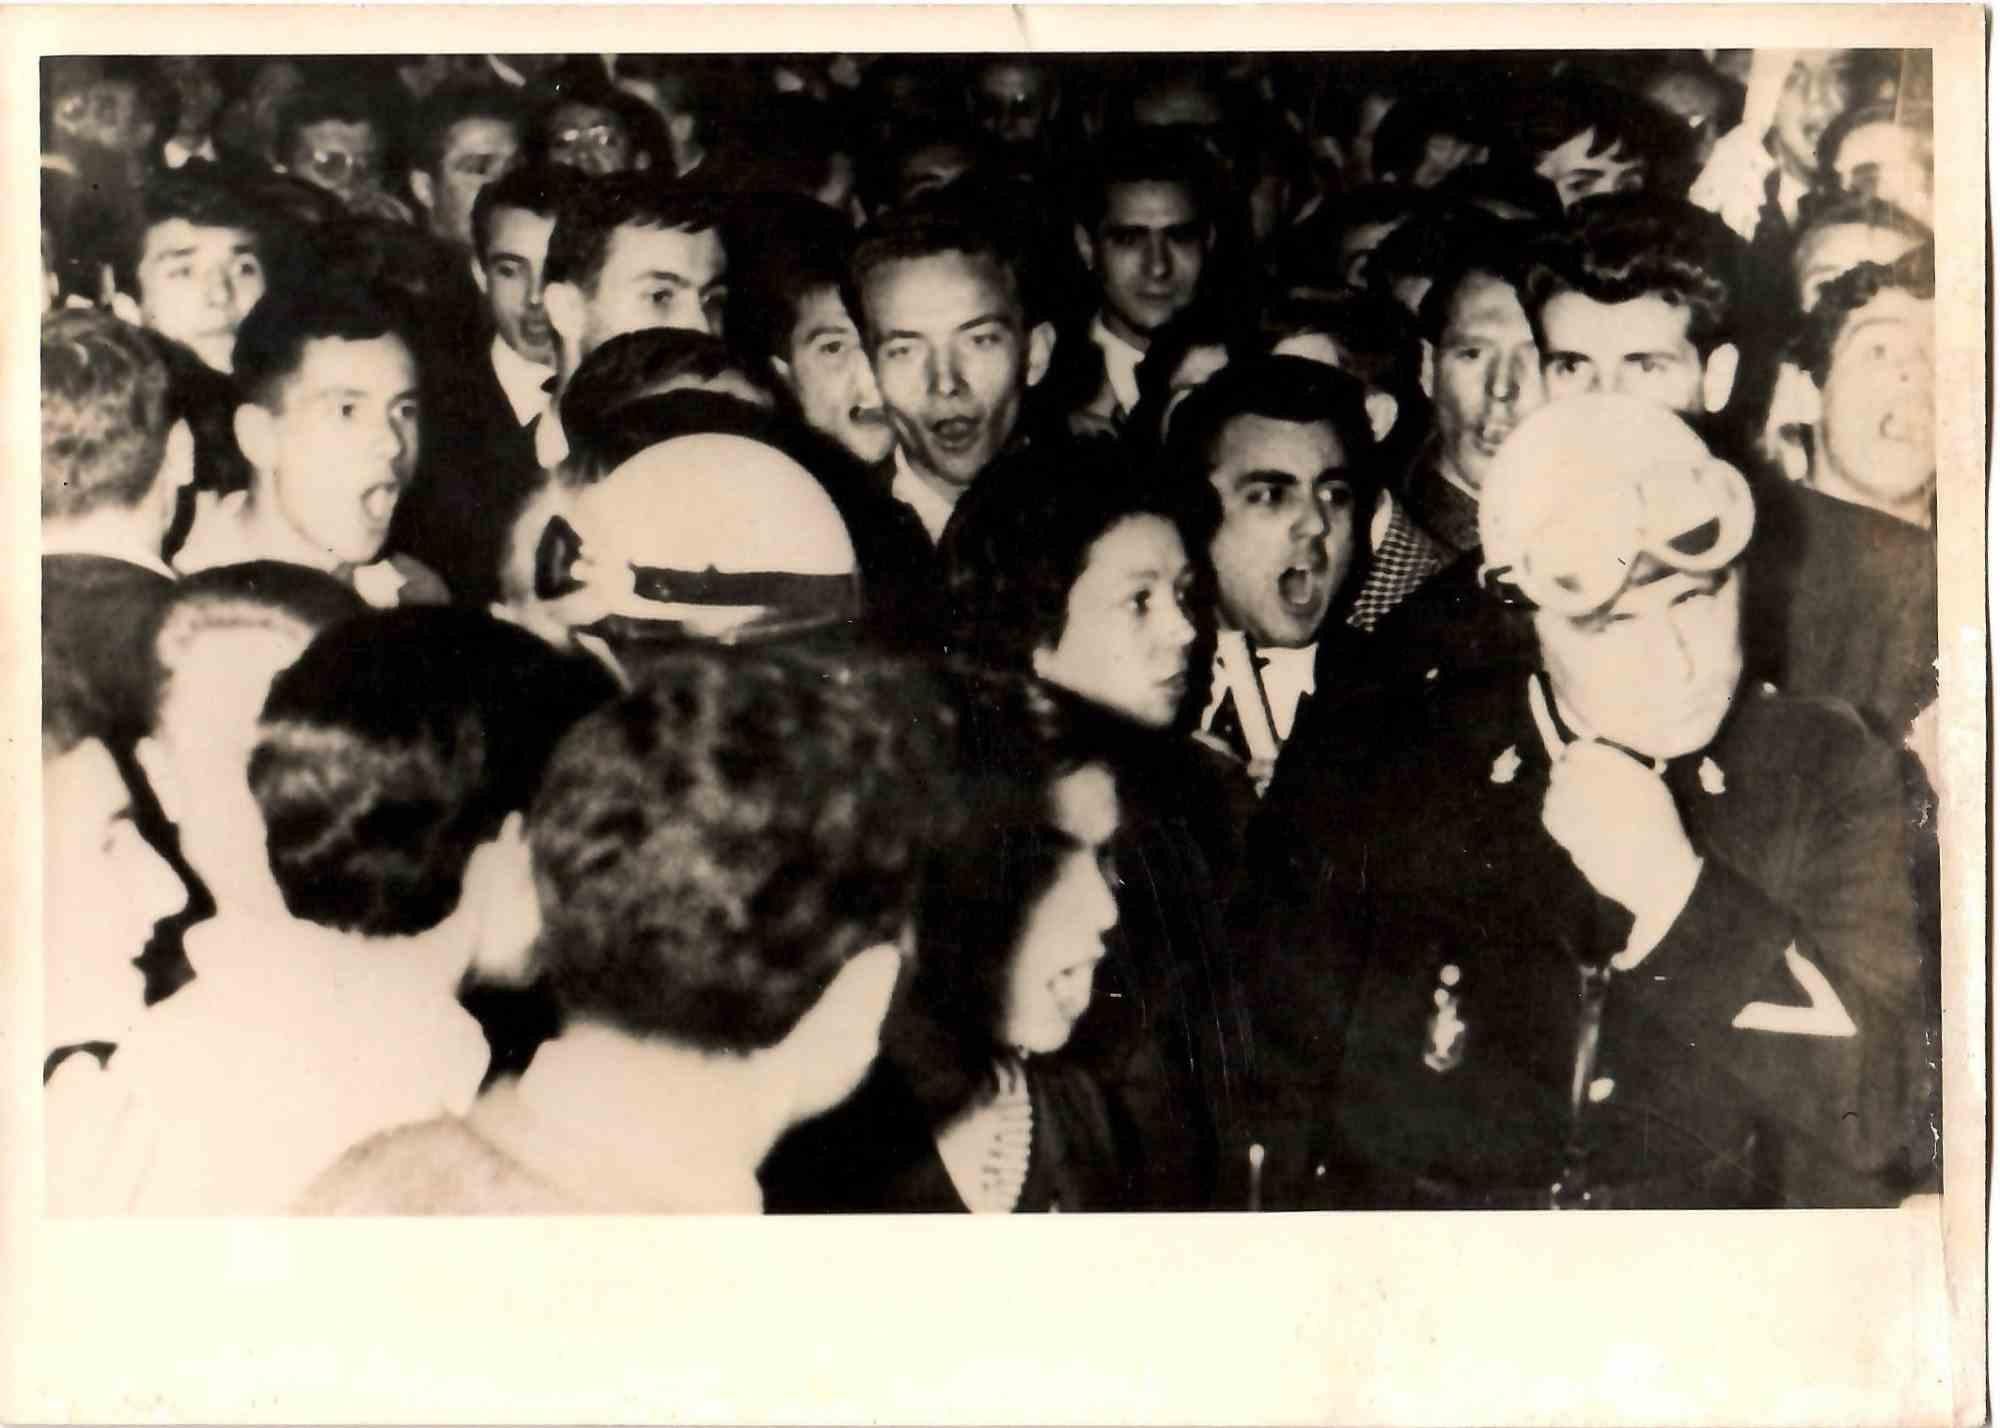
<point x="1553" y="726"/>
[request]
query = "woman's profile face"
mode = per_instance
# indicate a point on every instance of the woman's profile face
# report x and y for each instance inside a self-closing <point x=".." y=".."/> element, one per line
<point x="1062" y="941"/>
<point x="1127" y="627"/>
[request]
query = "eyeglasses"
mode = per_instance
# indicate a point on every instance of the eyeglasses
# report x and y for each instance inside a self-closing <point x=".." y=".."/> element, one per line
<point x="597" y="136"/>
<point x="338" y="165"/>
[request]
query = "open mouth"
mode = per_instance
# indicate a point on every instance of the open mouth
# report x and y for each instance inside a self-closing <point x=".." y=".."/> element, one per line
<point x="378" y="503"/>
<point x="955" y="434"/>
<point x="1302" y="585"/>
<point x="1488" y="440"/>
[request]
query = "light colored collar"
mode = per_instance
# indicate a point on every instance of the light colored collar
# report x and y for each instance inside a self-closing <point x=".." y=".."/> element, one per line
<point x="523" y="381"/>
<point x="631" y="1124"/>
<point x="1121" y="363"/>
<point x="920" y="496"/>
<point x="175" y="154"/>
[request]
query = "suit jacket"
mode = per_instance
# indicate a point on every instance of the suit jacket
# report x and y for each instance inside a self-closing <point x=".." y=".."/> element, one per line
<point x="476" y="470"/>
<point x="1433" y="961"/>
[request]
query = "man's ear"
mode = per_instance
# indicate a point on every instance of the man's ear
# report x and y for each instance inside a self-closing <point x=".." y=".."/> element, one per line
<point x="478" y="274"/>
<point x="1041" y="348"/>
<point x="642" y="161"/>
<point x="500" y="887"/>
<point x="176" y="466"/>
<point x="782" y="370"/>
<point x="422" y="190"/>
<point x="680" y="128"/>
<point x="1718" y="377"/>
<point x="158" y="768"/>
<point x="563" y="302"/>
<point x="1086" y="251"/>
<point x="256" y="436"/>
<point x="1041" y="660"/>
<point x="1427" y="369"/>
<point x="1381" y="409"/>
<point x="831" y="1048"/>
<point x="125" y="309"/>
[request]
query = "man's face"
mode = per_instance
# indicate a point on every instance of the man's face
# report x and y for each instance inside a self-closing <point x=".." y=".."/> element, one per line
<point x="344" y="159"/>
<point x="1819" y="87"/>
<point x="108" y="113"/>
<point x="1826" y="253"/>
<point x="344" y="443"/>
<point x="511" y="278"/>
<point x="657" y="277"/>
<point x="590" y="138"/>
<point x="1286" y="541"/>
<point x="1486" y="375"/>
<point x="1655" y="670"/>
<point x="952" y="359"/>
<point x="103" y="888"/>
<point x="476" y="151"/>
<point x="1050" y="978"/>
<point x="1148" y="254"/>
<point x="1638" y="348"/>
<point x="1878" y="421"/>
<point x="1012" y="102"/>
<point x="1579" y="173"/>
<point x="828" y="374"/>
<point x="196" y="285"/>
<point x="1885" y="161"/>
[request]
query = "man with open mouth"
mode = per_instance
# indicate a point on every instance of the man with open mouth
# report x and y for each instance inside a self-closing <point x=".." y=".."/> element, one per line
<point x="330" y="426"/>
<point x="1286" y="444"/>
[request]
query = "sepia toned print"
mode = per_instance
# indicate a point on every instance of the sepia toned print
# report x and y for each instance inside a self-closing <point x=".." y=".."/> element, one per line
<point x="634" y="634"/>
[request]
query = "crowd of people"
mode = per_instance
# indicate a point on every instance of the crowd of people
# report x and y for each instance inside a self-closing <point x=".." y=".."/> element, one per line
<point x="907" y="633"/>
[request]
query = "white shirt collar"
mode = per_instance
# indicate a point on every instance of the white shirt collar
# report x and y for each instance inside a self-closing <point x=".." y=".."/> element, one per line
<point x="920" y="496"/>
<point x="1121" y="363"/>
<point x="521" y="380"/>
<point x="551" y="441"/>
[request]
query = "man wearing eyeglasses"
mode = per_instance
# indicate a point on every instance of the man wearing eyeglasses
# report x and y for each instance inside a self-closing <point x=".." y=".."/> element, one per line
<point x="334" y="139"/>
<point x="1623" y="929"/>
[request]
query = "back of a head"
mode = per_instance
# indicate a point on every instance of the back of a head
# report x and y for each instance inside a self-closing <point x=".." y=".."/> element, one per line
<point x="647" y="363"/>
<point x="596" y="207"/>
<point x="1621" y="247"/>
<point x="395" y="746"/>
<point x="105" y="413"/>
<point x="713" y="848"/>
<point x="271" y="344"/>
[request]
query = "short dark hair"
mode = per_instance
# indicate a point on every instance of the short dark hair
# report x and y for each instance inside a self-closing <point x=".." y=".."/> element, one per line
<point x="1854" y="211"/>
<point x="1554" y="113"/>
<point x="592" y="209"/>
<point x="1408" y="128"/>
<point x="1021" y="536"/>
<point x="713" y="848"/>
<point x="1432" y="242"/>
<point x="1914" y="273"/>
<point x="429" y="133"/>
<point x="271" y="343"/>
<point x="1147" y="156"/>
<point x="926" y="230"/>
<point x="635" y="365"/>
<point x="807" y="254"/>
<point x="1622" y="246"/>
<point x="533" y="188"/>
<point x="105" y="412"/>
<point x="1288" y="389"/>
<point x="198" y="195"/>
<point x="395" y="746"/>
<point x="1503" y="262"/>
<point x="1375" y="334"/>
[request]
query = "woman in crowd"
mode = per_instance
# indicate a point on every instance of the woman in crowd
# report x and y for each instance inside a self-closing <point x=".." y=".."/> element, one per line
<point x="1072" y="566"/>
<point x="969" y="1107"/>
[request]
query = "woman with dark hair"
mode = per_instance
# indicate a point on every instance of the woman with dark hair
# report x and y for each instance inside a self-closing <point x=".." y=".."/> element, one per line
<point x="1071" y="566"/>
<point x="968" y="1106"/>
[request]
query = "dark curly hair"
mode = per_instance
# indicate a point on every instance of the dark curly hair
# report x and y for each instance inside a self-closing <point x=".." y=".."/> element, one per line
<point x="592" y="209"/>
<point x="395" y="746"/>
<point x="1914" y="273"/>
<point x="1020" y="538"/>
<point x="1632" y="245"/>
<point x="1016" y="740"/>
<point x="713" y="848"/>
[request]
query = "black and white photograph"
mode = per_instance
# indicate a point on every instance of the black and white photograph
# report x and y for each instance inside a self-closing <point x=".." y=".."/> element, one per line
<point x="712" y="633"/>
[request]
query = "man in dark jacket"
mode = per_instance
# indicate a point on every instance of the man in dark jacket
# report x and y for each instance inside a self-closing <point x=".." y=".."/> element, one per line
<point x="1626" y="932"/>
